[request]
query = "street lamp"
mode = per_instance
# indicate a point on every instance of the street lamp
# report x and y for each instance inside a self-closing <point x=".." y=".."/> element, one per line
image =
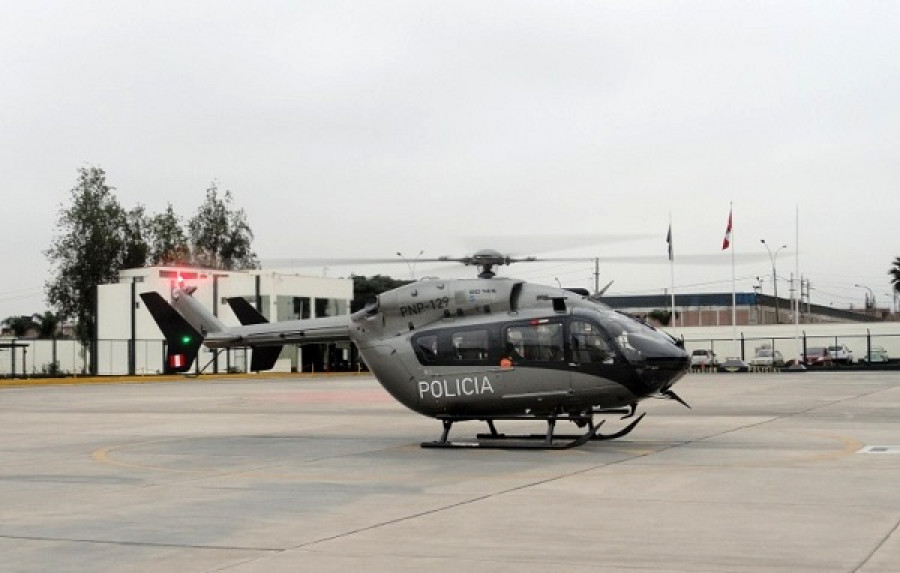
<point x="893" y="296"/>
<point x="758" y="286"/>
<point x="411" y="265"/>
<point x="870" y="298"/>
<point x="772" y="257"/>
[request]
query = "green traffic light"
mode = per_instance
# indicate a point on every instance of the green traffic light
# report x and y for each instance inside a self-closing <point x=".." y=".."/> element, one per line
<point x="186" y="339"/>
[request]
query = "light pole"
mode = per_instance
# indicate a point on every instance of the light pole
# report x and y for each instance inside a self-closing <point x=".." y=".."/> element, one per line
<point x="411" y="265"/>
<point x="772" y="257"/>
<point x="870" y="298"/>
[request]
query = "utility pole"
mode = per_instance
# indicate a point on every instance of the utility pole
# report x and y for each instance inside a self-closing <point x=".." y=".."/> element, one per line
<point x="772" y="258"/>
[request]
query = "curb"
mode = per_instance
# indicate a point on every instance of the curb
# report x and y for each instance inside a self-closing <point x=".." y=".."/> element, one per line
<point x="157" y="378"/>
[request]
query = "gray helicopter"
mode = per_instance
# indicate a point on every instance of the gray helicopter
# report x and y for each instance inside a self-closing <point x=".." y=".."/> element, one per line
<point x="487" y="349"/>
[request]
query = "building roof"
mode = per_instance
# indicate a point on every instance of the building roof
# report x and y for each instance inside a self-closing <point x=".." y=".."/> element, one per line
<point x="648" y="302"/>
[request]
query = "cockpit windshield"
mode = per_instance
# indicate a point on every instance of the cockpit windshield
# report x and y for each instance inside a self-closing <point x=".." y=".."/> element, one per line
<point x="638" y="341"/>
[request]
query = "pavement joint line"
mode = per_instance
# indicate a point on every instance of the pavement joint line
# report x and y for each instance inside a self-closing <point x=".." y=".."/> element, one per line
<point x="473" y="500"/>
<point x="877" y="547"/>
<point x="139" y="543"/>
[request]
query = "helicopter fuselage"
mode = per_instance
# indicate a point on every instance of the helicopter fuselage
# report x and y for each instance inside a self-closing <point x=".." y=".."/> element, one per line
<point x="502" y="347"/>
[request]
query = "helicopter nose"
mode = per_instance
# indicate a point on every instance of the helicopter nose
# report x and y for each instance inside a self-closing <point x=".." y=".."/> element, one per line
<point x="661" y="362"/>
<point x="660" y="373"/>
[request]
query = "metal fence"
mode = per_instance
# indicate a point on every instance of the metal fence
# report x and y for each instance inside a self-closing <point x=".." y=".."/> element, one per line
<point x="48" y="357"/>
<point x="51" y="357"/>
<point x="791" y="347"/>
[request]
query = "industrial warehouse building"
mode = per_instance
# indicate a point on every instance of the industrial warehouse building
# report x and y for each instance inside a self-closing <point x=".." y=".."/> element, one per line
<point x="751" y="308"/>
<point x="129" y="341"/>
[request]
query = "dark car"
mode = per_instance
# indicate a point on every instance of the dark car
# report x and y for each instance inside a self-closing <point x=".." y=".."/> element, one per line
<point x="817" y="356"/>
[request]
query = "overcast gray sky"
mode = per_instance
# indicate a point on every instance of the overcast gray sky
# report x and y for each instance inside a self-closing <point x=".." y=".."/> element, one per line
<point x="357" y="128"/>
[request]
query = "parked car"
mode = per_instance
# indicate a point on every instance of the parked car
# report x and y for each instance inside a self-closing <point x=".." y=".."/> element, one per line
<point x="817" y="356"/>
<point x="703" y="359"/>
<point x="767" y="357"/>
<point x="841" y="354"/>
<point x="876" y="354"/>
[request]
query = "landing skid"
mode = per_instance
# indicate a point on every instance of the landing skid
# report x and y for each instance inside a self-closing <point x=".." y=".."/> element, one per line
<point x="546" y="441"/>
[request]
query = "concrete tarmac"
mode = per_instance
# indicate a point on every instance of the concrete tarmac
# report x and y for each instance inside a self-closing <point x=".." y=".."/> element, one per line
<point x="767" y="472"/>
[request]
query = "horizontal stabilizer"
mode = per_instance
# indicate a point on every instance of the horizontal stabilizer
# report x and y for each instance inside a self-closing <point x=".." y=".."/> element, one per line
<point x="245" y="312"/>
<point x="264" y="357"/>
<point x="183" y="339"/>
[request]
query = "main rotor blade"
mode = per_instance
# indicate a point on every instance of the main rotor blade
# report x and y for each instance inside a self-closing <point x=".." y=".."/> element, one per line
<point x="696" y="259"/>
<point x="517" y="245"/>
<point x="308" y="262"/>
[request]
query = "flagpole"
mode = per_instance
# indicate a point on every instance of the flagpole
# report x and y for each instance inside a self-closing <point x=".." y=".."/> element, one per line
<point x="798" y="292"/>
<point x="672" y="270"/>
<point x="733" y="288"/>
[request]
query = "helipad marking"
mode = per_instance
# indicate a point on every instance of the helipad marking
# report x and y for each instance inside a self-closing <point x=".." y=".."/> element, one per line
<point x="880" y="450"/>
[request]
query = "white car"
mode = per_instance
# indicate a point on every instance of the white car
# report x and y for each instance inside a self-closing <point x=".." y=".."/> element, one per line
<point x="841" y="354"/>
<point x="876" y="354"/>
<point x="767" y="357"/>
<point x="703" y="359"/>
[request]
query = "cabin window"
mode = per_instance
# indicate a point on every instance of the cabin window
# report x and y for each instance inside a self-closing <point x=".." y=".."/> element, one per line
<point x="427" y="347"/>
<point x="538" y="342"/>
<point x="470" y="344"/>
<point x="589" y="345"/>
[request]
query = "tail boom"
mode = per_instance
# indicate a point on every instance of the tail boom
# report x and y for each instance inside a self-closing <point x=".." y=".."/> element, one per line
<point x="186" y="324"/>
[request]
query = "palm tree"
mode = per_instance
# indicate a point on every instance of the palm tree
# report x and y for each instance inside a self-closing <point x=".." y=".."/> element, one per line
<point x="47" y="323"/>
<point x="895" y="274"/>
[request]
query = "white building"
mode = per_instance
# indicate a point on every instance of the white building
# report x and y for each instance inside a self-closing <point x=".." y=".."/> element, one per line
<point x="122" y="319"/>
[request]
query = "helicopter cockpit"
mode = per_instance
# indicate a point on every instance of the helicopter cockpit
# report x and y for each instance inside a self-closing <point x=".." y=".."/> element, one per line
<point x="661" y="357"/>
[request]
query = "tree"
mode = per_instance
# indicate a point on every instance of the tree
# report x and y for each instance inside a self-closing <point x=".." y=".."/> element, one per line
<point x="663" y="317"/>
<point x="135" y="250"/>
<point x="365" y="290"/>
<point x="88" y="251"/>
<point x="19" y="325"/>
<point x="895" y="275"/>
<point x="167" y="242"/>
<point x="45" y="325"/>
<point x="220" y="236"/>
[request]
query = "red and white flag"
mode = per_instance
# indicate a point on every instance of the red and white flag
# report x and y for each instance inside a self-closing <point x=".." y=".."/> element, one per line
<point x="726" y="242"/>
<point x="176" y="361"/>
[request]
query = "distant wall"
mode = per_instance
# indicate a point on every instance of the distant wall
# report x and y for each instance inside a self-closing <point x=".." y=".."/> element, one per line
<point x="38" y="356"/>
<point x="788" y="339"/>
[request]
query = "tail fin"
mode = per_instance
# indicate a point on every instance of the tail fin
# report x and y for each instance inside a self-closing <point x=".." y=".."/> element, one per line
<point x="183" y="339"/>
<point x="263" y="357"/>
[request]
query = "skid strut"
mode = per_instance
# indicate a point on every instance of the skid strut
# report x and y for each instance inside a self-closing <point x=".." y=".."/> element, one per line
<point x="546" y="441"/>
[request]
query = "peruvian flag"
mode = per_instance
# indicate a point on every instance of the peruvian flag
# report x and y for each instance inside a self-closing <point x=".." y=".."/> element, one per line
<point x="726" y="242"/>
<point x="176" y="361"/>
